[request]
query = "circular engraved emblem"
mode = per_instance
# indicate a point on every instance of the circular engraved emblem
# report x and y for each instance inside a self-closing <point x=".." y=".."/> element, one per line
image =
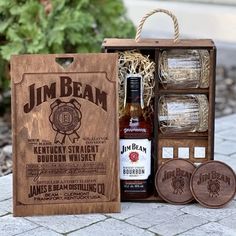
<point x="172" y="181"/>
<point x="178" y="185"/>
<point x="213" y="187"/>
<point x="65" y="119"/>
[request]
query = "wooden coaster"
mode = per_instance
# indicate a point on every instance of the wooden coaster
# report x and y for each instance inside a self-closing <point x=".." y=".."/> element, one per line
<point x="213" y="184"/>
<point x="172" y="181"/>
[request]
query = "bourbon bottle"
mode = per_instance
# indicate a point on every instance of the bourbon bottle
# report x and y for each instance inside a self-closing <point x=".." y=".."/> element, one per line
<point x="135" y="144"/>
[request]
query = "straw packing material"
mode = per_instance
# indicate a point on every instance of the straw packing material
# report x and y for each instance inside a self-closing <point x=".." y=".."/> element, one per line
<point x="133" y="62"/>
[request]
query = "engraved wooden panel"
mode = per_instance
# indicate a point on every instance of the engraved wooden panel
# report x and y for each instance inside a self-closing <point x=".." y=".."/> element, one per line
<point x="65" y="134"/>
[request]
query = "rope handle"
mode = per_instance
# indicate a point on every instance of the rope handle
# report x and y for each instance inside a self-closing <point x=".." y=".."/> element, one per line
<point x="175" y="21"/>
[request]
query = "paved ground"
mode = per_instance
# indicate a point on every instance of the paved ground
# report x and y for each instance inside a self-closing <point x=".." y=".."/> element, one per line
<point x="136" y="218"/>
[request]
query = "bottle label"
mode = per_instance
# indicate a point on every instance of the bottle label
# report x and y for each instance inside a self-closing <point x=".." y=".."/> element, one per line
<point x="134" y="186"/>
<point x="135" y="159"/>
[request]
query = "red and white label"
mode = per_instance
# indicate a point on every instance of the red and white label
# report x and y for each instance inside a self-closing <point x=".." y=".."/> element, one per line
<point x="135" y="159"/>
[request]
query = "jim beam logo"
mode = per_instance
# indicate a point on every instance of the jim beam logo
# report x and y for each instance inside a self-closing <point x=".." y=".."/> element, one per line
<point x="133" y="147"/>
<point x="213" y="181"/>
<point x="65" y="117"/>
<point x="177" y="177"/>
<point x="67" y="88"/>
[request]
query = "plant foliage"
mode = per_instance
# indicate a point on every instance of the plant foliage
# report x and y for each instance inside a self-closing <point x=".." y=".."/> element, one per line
<point x="58" y="26"/>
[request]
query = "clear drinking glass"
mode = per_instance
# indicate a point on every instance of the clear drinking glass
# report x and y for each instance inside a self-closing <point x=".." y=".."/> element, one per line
<point x="184" y="68"/>
<point x="183" y="113"/>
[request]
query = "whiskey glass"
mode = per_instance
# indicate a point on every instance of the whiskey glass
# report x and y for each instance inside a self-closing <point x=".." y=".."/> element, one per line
<point x="183" y="113"/>
<point x="184" y="68"/>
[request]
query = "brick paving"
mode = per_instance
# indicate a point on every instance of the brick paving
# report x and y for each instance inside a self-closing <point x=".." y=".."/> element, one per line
<point x="144" y="219"/>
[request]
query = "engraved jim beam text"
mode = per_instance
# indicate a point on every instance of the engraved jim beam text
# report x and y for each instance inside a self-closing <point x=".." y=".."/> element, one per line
<point x="177" y="177"/>
<point x="213" y="180"/>
<point x="68" y="88"/>
<point x="213" y="175"/>
<point x="133" y="147"/>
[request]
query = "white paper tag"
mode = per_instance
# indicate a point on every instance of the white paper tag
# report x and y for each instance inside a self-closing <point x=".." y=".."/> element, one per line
<point x="167" y="152"/>
<point x="183" y="152"/>
<point x="199" y="152"/>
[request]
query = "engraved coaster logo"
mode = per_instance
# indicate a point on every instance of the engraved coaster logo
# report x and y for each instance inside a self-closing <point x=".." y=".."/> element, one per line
<point x="177" y="184"/>
<point x="213" y="187"/>
<point x="65" y="119"/>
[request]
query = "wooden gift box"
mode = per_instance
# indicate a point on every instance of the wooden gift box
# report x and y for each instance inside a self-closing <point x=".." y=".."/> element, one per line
<point x="65" y="134"/>
<point x="153" y="48"/>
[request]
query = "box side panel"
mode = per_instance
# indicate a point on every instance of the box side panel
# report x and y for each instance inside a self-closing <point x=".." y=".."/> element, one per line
<point x="65" y="134"/>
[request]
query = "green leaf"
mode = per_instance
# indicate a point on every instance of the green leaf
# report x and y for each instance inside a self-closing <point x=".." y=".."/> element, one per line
<point x="11" y="49"/>
<point x="58" y="5"/>
<point x="4" y="25"/>
<point x="4" y="5"/>
<point x="55" y="37"/>
<point x="29" y="12"/>
<point x="74" y="37"/>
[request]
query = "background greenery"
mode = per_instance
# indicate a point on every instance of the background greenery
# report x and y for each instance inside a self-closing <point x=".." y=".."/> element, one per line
<point x="57" y="26"/>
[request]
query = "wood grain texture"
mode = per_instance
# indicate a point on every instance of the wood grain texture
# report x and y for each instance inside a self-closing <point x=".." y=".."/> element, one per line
<point x="211" y="117"/>
<point x="65" y="134"/>
<point x="177" y="143"/>
<point x="157" y="43"/>
<point x="213" y="184"/>
<point x="172" y="181"/>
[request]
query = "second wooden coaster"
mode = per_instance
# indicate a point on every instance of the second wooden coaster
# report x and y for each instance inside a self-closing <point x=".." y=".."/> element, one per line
<point x="213" y="184"/>
<point x="172" y="181"/>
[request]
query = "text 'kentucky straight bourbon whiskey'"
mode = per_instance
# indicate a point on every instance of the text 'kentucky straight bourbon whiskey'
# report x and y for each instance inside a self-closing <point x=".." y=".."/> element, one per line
<point x="135" y="144"/>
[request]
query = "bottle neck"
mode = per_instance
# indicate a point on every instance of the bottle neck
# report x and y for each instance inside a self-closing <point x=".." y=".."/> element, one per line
<point x="133" y="105"/>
